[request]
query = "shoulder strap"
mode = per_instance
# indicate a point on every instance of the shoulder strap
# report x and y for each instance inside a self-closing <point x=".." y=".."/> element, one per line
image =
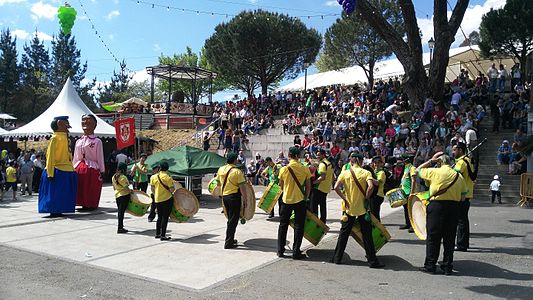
<point x="357" y="183"/>
<point x="226" y="180"/>
<point x="116" y="180"/>
<point x="471" y="173"/>
<point x="164" y="185"/>
<point x="296" y="180"/>
<point x="442" y="191"/>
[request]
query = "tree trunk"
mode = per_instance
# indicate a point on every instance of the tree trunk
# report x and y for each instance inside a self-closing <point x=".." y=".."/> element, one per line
<point x="438" y="66"/>
<point x="371" y="65"/>
<point x="264" y="88"/>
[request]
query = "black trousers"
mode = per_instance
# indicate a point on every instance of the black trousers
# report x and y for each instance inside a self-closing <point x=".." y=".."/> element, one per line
<point x="441" y="224"/>
<point x="406" y="215"/>
<point x="163" y="213"/>
<point x="299" y="222"/>
<point x="375" y="206"/>
<point x="366" y="231"/>
<point x="151" y="215"/>
<point x="498" y="194"/>
<point x="279" y="206"/>
<point x="463" y="225"/>
<point x="142" y="186"/>
<point x="232" y="203"/>
<point x="122" y="204"/>
<point x="318" y="198"/>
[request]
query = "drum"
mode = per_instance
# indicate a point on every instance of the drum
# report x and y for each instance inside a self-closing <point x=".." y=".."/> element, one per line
<point x="396" y="197"/>
<point x="270" y="197"/>
<point x="213" y="187"/>
<point x="185" y="205"/>
<point x="417" y="206"/>
<point x="314" y="228"/>
<point x="139" y="203"/>
<point x="380" y="235"/>
<point x="247" y="203"/>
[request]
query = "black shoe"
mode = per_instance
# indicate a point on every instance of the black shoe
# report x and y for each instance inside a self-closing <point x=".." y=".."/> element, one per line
<point x="150" y="220"/>
<point x="230" y="246"/>
<point x="460" y="249"/>
<point x="235" y="242"/>
<point x="165" y="238"/>
<point x="411" y="230"/>
<point x="447" y="270"/>
<point x="122" y="230"/>
<point x="376" y="265"/>
<point x="405" y="227"/>
<point x="299" y="256"/>
<point x="426" y="270"/>
<point x="157" y="236"/>
<point x="281" y="255"/>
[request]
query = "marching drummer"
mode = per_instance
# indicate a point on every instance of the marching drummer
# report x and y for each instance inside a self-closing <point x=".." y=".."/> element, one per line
<point x="162" y="186"/>
<point x="464" y="166"/>
<point x="232" y="179"/>
<point x="377" y="200"/>
<point x="122" y="189"/>
<point x="295" y="181"/>
<point x="321" y="185"/>
<point x="447" y="188"/>
<point x="139" y="172"/>
<point x="407" y="185"/>
<point x="151" y="215"/>
<point x="271" y="173"/>
<point x="358" y="186"/>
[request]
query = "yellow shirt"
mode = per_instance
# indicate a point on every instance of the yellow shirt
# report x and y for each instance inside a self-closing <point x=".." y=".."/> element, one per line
<point x="440" y="178"/>
<point x="325" y="167"/>
<point x="381" y="177"/>
<point x="161" y="193"/>
<point x="58" y="155"/>
<point x="121" y="185"/>
<point x="291" y="192"/>
<point x="235" y="178"/>
<point x="461" y="167"/>
<point x="354" y="197"/>
<point x="11" y="174"/>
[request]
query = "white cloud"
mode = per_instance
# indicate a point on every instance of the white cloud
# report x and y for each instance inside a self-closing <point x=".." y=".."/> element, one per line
<point x="471" y="21"/>
<point x="253" y="1"/>
<point x="24" y="35"/>
<point x="157" y="48"/>
<point x="42" y="10"/>
<point x="113" y="14"/>
<point x="3" y="2"/>
<point x="140" y="76"/>
<point x="331" y="3"/>
<point x="111" y="36"/>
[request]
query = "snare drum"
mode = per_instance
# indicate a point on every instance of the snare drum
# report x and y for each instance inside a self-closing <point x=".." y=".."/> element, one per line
<point x="247" y="203"/>
<point x="185" y="205"/>
<point x="380" y="235"/>
<point x="270" y="197"/>
<point x="396" y="197"/>
<point x="417" y="206"/>
<point x="139" y="203"/>
<point x="314" y="228"/>
<point x="213" y="187"/>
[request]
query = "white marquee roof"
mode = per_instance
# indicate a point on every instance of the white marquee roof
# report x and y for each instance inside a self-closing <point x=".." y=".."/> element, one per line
<point x="460" y="58"/>
<point x="68" y="103"/>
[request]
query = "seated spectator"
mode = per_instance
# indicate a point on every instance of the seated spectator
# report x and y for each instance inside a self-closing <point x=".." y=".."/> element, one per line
<point x="519" y="137"/>
<point x="504" y="153"/>
<point x="398" y="151"/>
<point x="517" y="161"/>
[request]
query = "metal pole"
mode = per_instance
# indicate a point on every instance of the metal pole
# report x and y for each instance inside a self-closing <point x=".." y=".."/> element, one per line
<point x="169" y="88"/>
<point x="305" y="82"/>
<point x="152" y="87"/>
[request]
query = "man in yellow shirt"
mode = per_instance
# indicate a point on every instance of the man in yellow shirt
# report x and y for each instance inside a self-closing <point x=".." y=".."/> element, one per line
<point x="446" y="188"/>
<point x="321" y="185"/>
<point x="295" y="181"/>
<point x="358" y="186"/>
<point x="381" y="176"/>
<point x="11" y="179"/>
<point x="162" y="186"/>
<point x="464" y="166"/>
<point x="232" y="180"/>
<point x="122" y="189"/>
<point x="151" y="215"/>
<point x="59" y="181"/>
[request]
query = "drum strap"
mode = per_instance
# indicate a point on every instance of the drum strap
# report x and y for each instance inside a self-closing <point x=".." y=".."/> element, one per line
<point x="164" y="185"/>
<point x="357" y="183"/>
<point x="224" y="183"/>
<point x="442" y="191"/>
<point x="296" y="180"/>
<point x="115" y="179"/>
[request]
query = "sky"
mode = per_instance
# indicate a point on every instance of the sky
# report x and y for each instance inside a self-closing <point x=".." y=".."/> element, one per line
<point x="140" y="31"/>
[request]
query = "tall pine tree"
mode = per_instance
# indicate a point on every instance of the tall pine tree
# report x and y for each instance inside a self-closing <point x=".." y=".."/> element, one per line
<point x="116" y="90"/>
<point x="35" y="82"/>
<point x="66" y="62"/>
<point x="9" y="73"/>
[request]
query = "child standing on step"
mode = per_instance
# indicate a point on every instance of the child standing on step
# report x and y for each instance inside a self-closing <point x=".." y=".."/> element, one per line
<point x="495" y="189"/>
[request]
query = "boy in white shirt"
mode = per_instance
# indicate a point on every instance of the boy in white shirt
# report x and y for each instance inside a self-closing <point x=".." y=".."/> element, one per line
<point x="495" y="189"/>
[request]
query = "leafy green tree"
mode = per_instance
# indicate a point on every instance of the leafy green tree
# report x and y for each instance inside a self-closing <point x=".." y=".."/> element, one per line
<point x="352" y="41"/>
<point x="262" y="45"/>
<point x="202" y="86"/>
<point x="116" y="90"/>
<point x="66" y="62"/>
<point x="508" y="31"/>
<point x="35" y="84"/>
<point x="9" y="72"/>
<point x="473" y="39"/>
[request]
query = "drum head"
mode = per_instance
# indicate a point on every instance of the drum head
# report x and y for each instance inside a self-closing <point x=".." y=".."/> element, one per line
<point x="213" y="187"/>
<point x="186" y="202"/>
<point x="141" y="197"/>
<point x="417" y="215"/>
<point x="248" y="202"/>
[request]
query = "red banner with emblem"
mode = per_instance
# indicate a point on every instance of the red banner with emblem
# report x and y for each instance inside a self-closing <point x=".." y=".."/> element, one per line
<point x="125" y="131"/>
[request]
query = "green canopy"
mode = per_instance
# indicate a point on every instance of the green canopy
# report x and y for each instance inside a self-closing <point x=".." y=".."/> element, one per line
<point x="188" y="161"/>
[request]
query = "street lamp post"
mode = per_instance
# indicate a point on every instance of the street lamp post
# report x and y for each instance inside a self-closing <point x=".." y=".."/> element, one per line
<point x="431" y="45"/>
<point x="306" y="65"/>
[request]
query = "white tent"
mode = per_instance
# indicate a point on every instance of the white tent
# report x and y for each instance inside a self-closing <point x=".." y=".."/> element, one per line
<point x="460" y="58"/>
<point x="136" y="101"/>
<point x="2" y="130"/>
<point x="68" y="103"/>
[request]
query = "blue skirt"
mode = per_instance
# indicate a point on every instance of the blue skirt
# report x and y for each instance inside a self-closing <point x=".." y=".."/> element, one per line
<point x="58" y="195"/>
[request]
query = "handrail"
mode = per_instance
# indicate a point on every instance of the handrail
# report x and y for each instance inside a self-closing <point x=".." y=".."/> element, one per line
<point x="526" y="189"/>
